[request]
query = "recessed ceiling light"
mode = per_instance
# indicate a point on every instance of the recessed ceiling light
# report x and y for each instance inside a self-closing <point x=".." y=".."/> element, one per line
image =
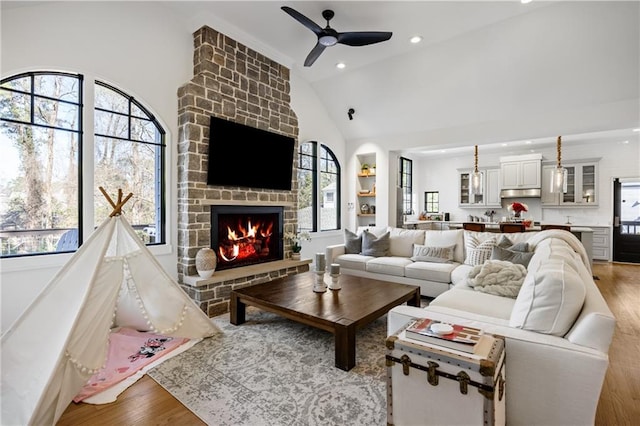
<point x="525" y="1"/>
<point x="415" y="39"/>
<point x="504" y="144"/>
<point x="443" y="150"/>
<point x="624" y="142"/>
<point x="341" y="65"/>
<point x="636" y="130"/>
<point x="528" y="142"/>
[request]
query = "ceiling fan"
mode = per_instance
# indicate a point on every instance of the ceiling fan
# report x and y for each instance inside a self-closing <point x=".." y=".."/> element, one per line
<point x="328" y="36"/>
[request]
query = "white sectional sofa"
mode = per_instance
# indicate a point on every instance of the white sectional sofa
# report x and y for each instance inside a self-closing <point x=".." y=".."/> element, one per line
<point x="557" y="328"/>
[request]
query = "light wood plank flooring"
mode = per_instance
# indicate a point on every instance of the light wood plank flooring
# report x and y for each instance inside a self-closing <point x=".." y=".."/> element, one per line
<point x="146" y="403"/>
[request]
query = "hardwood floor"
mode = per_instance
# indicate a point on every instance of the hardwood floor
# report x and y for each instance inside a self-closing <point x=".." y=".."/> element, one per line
<point x="147" y="403"/>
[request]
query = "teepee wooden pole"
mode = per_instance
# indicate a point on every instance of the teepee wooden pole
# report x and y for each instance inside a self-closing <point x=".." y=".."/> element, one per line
<point x="117" y="207"/>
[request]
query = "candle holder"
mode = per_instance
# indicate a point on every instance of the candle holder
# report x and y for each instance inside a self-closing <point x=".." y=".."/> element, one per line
<point x="319" y="286"/>
<point x="335" y="282"/>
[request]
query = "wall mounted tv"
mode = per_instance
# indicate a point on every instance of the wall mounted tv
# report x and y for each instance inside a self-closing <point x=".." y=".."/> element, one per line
<point x="241" y="155"/>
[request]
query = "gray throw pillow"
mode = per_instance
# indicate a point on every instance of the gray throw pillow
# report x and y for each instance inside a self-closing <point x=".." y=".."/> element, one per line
<point x="518" y="257"/>
<point x="506" y="243"/>
<point x="352" y="242"/>
<point x="432" y="254"/>
<point x="375" y="246"/>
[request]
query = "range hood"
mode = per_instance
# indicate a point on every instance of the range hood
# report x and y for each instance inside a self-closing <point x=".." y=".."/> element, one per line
<point x="520" y="193"/>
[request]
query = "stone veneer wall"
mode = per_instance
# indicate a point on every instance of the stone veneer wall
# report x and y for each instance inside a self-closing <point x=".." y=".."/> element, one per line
<point x="236" y="83"/>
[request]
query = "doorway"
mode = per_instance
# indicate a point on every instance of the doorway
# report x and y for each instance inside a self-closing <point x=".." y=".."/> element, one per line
<point x="626" y="220"/>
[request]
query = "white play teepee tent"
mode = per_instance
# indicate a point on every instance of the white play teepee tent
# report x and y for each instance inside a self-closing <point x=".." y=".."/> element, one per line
<point x="57" y="344"/>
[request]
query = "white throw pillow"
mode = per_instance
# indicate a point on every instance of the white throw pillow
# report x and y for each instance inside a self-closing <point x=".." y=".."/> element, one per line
<point x="478" y="251"/>
<point x="432" y="254"/>
<point x="550" y="299"/>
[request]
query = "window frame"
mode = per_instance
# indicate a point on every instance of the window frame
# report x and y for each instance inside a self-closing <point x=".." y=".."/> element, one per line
<point x="86" y="166"/>
<point x="406" y="185"/>
<point x="428" y="203"/>
<point x="322" y="156"/>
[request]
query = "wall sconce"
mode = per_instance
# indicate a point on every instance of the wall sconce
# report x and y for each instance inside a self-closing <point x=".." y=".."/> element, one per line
<point x="476" y="176"/>
<point x="350" y="113"/>
<point x="559" y="174"/>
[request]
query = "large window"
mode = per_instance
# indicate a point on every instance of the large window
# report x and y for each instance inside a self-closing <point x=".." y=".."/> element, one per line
<point x="42" y="166"/>
<point x="406" y="183"/>
<point x="318" y="188"/>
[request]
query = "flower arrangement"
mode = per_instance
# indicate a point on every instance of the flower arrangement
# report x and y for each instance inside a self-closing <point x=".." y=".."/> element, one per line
<point x="517" y="208"/>
<point x="296" y="239"/>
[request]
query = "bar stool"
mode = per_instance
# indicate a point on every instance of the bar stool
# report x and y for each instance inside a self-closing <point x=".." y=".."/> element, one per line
<point x="473" y="226"/>
<point x="550" y="226"/>
<point x="512" y="227"/>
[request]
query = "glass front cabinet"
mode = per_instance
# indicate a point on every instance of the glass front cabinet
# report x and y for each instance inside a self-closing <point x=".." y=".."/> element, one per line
<point x="490" y="196"/>
<point x="581" y="185"/>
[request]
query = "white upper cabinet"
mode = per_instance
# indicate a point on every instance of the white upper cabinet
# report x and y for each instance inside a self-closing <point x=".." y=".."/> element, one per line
<point x="490" y="196"/>
<point x="521" y="171"/>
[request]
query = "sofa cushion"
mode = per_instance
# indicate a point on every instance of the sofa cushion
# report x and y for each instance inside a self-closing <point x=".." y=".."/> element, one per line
<point x="353" y="261"/>
<point x="388" y="265"/>
<point x="474" y="302"/>
<point x="375" y="246"/>
<point x="432" y="254"/>
<point x="447" y="239"/>
<point x="401" y="241"/>
<point x="460" y="275"/>
<point x="550" y="299"/>
<point x="438" y="272"/>
<point x="520" y="257"/>
<point x="478" y="251"/>
<point x="375" y="230"/>
<point x="352" y="242"/>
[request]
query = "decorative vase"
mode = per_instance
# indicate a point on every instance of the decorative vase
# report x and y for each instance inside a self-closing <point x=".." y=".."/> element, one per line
<point x="206" y="262"/>
<point x="295" y="256"/>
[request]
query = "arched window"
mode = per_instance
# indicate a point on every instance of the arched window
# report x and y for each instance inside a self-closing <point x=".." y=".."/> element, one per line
<point x="318" y="188"/>
<point x="43" y="162"/>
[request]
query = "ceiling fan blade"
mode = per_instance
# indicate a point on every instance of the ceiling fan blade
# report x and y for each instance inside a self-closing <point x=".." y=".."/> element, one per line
<point x="303" y="19"/>
<point x="314" y="54"/>
<point x="363" y="38"/>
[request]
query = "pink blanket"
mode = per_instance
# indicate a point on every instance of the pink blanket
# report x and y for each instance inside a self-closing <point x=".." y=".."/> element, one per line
<point x="129" y="351"/>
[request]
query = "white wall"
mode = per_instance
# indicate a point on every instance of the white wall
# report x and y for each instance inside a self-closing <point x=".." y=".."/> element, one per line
<point x="146" y="51"/>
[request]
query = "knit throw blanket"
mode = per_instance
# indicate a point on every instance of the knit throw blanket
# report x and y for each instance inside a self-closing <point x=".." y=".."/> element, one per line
<point x="498" y="277"/>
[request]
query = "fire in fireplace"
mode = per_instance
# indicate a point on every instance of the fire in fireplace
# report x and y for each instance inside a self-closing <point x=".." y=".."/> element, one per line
<point x="246" y="235"/>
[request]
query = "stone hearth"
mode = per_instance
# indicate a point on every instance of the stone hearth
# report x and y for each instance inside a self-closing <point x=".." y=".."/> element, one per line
<point x="236" y="83"/>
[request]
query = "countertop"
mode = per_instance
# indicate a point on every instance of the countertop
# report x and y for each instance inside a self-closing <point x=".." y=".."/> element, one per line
<point x="496" y="227"/>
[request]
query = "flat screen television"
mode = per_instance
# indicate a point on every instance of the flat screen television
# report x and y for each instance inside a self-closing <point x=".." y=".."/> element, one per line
<point x="241" y="155"/>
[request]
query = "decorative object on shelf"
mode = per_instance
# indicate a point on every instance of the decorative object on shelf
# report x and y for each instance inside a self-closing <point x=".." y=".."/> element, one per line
<point x="335" y="277"/>
<point x="295" y="239"/>
<point x="372" y="209"/>
<point x="364" y="168"/>
<point x="364" y="209"/>
<point x="206" y="262"/>
<point x="517" y="208"/>
<point x="476" y="176"/>
<point x="372" y="169"/>
<point x="559" y="174"/>
<point x="295" y="256"/>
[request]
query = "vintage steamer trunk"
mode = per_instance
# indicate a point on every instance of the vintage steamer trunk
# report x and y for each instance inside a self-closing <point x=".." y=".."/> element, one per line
<point x="433" y="385"/>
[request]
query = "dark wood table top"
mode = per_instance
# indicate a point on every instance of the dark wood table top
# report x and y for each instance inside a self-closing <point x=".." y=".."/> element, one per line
<point x="360" y="300"/>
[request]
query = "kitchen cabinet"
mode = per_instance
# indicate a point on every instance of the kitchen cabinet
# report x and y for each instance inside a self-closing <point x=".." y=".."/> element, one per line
<point x="601" y="242"/>
<point x="366" y="190"/>
<point x="490" y="196"/>
<point x="521" y="171"/>
<point x="582" y="185"/>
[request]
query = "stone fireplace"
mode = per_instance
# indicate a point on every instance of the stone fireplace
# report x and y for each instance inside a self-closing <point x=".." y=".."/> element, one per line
<point x="235" y="83"/>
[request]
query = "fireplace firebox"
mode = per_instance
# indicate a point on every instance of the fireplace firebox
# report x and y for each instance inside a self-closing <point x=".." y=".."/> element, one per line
<point x="246" y="235"/>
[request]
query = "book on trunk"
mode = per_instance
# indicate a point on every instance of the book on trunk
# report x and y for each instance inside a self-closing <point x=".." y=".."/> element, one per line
<point x="453" y="336"/>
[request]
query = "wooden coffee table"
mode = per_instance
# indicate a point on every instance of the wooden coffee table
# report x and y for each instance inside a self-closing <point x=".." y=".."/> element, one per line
<point x="341" y="312"/>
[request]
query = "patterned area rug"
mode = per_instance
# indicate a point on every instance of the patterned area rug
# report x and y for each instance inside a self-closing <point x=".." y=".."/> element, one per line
<point x="273" y="371"/>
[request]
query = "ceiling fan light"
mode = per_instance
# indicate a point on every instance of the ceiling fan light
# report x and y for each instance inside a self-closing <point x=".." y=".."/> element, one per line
<point x="327" y="40"/>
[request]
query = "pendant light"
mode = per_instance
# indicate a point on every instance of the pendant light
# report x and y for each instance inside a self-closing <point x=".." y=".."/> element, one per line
<point x="559" y="174"/>
<point x="476" y="176"/>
